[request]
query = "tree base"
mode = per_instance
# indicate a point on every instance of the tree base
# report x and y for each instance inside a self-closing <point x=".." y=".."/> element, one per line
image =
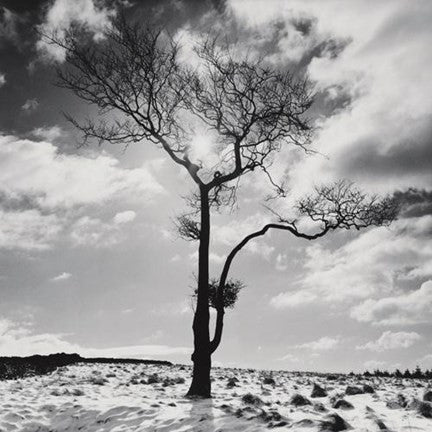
<point x="196" y="397"/>
<point x="200" y="387"/>
<point x="199" y="391"/>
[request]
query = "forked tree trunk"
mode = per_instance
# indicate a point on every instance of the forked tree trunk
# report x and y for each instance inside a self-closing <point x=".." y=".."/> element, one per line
<point x="201" y="356"/>
<point x="214" y="344"/>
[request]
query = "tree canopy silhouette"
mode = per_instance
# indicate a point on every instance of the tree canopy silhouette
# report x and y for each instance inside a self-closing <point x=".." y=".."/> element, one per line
<point x="145" y="92"/>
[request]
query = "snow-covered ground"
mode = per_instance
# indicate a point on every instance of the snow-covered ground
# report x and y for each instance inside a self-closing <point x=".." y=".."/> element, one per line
<point x="89" y="397"/>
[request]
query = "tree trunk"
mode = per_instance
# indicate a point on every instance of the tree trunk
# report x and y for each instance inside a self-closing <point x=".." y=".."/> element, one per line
<point x="218" y="330"/>
<point x="220" y="298"/>
<point x="201" y="356"/>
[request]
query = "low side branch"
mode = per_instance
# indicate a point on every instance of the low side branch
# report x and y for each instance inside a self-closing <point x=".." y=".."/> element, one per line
<point x="338" y="206"/>
<point x="220" y="308"/>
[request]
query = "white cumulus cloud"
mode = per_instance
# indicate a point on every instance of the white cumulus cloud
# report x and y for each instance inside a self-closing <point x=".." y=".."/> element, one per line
<point x="61" y="277"/>
<point x="39" y="171"/>
<point x="63" y="13"/>
<point x="325" y="343"/>
<point x="367" y="266"/>
<point x="28" y="229"/>
<point x="48" y="133"/>
<point x="410" y="308"/>
<point x="391" y="340"/>
<point x="292" y="299"/>
<point x="124" y="217"/>
<point x="41" y="190"/>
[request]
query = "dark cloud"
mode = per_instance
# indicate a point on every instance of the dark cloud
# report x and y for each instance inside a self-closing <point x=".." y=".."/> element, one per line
<point x="17" y="203"/>
<point x="316" y="45"/>
<point x="173" y="14"/>
<point x="22" y="17"/>
<point x="169" y="12"/>
<point x="15" y="32"/>
<point x="28" y="79"/>
<point x="304" y="25"/>
<point x="411" y="156"/>
<point x="30" y="105"/>
<point x="191" y="7"/>
<point x="24" y="6"/>
<point x="8" y="24"/>
<point x="414" y="202"/>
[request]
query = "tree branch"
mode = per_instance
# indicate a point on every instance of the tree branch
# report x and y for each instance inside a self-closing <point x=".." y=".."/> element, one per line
<point x="337" y="206"/>
<point x="134" y="70"/>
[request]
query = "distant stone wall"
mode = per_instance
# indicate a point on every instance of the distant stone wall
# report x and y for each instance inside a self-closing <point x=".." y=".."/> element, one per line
<point x="20" y="367"/>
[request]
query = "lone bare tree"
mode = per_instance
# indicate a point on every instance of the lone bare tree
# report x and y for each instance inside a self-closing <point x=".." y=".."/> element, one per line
<point x="145" y="93"/>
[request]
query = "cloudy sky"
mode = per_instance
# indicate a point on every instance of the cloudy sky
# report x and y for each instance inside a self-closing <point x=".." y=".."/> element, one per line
<point x="90" y="261"/>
